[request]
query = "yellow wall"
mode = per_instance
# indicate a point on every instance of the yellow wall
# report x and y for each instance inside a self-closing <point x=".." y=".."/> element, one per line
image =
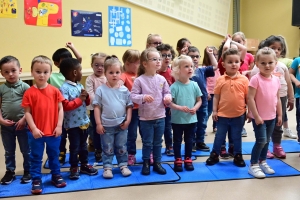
<point x="25" y="41"/>
<point x="262" y="18"/>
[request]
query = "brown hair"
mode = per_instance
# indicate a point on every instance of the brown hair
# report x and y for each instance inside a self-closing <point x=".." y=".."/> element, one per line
<point x="111" y="60"/>
<point x="144" y="57"/>
<point x="41" y="59"/>
<point x="229" y="52"/>
<point x="265" y="51"/>
<point x="98" y="55"/>
<point x="130" y="55"/>
<point x="206" y="60"/>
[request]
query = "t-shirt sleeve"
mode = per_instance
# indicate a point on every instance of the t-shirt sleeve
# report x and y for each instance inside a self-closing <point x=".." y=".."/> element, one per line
<point x="295" y="64"/>
<point x="98" y="97"/>
<point x="209" y="71"/>
<point x="60" y="97"/>
<point x="173" y="91"/>
<point x="65" y="92"/>
<point x="128" y="100"/>
<point x="26" y="101"/>
<point x="254" y="82"/>
<point x="198" y="92"/>
<point x="218" y="85"/>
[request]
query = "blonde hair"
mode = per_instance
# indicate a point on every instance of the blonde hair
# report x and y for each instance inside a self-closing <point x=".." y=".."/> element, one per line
<point x="41" y="59"/>
<point x="144" y="58"/>
<point x="130" y="55"/>
<point x="176" y="65"/>
<point x="149" y="38"/>
<point x="241" y="34"/>
<point x="265" y="51"/>
<point x="98" y="55"/>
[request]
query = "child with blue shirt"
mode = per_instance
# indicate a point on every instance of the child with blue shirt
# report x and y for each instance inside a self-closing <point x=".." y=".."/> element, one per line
<point x="76" y="120"/>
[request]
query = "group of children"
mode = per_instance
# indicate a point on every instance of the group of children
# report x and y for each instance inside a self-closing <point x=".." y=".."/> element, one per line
<point x="160" y="94"/>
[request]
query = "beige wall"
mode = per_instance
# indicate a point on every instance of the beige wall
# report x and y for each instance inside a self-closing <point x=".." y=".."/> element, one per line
<point x="262" y="18"/>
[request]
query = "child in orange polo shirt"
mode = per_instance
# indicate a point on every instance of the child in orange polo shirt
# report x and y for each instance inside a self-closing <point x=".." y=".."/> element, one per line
<point x="231" y="89"/>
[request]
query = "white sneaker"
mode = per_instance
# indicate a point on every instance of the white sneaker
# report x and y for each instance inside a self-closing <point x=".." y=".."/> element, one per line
<point x="289" y="133"/>
<point x="107" y="173"/>
<point x="266" y="168"/>
<point x="256" y="171"/>
<point x="125" y="171"/>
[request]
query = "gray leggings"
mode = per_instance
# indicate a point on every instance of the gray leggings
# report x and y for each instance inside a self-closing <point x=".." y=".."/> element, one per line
<point x="277" y="133"/>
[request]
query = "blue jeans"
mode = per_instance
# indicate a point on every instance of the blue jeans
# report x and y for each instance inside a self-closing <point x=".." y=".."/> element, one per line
<point x="153" y="131"/>
<point x="63" y="141"/>
<point x="235" y="125"/>
<point x="298" y="117"/>
<point x="168" y="129"/>
<point x="201" y="124"/>
<point x="9" y="135"/>
<point x="263" y="134"/>
<point x="114" y="142"/>
<point x="132" y="132"/>
<point x="210" y="109"/>
<point x="96" y="137"/>
<point x="78" y="146"/>
<point x="36" y="156"/>
<point x="188" y="131"/>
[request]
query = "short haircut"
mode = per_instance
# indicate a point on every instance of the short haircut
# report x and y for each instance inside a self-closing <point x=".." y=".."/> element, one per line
<point x="67" y="65"/>
<point x="98" y="55"/>
<point x="166" y="47"/>
<point x="111" y="60"/>
<point x="61" y="53"/>
<point x="176" y="65"/>
<point x="193" y="49"/>
<point x="230" y="52"/>
<point x="265" y="51"/>
<point x="41" y="59"/>
<point x="8" y="59"/>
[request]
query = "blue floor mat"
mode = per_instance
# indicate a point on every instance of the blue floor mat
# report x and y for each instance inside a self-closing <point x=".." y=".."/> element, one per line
<point x="289" y="146"/>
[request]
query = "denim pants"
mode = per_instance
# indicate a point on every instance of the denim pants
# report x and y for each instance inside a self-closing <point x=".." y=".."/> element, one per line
<point x="78" y="146"/>
<point x="298" y="117"/>
<point x="263" y="134"/>
<point x="114" y="142"/>
<point x="63" y="141"/>
<point x="277" y="133"/>
<point x="168" y="129"/>
<point x="201" y="124"/>
<point x="153" y="131"/>
<point x="235" y="125"/>
<point x="9" y="135"/>
<point x="96" y="137"/>
<point x="210" y="109"/>
<point x="187" y="130"/>
<point x="132" y="132"/>
<point x="36" y="156"/>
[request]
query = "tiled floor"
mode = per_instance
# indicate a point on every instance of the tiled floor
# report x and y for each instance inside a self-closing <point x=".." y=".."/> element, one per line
<point x="284" y="188"/>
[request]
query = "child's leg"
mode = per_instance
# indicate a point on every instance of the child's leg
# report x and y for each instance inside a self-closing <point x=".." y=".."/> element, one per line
<point x="147" y="128"/>
<point x="62" y="146"/>
<point x="24" y="147"/>
<point x="107" y="141"/>
<point x="36" y="155"/>
<point x="177" y="139"/>
<point x="52" y="144"/>
<point x="270" y="124"/>
<point x="220" y="136"/>
<point x="277" y="133"/>
<point x="83" y="152"/>
<point x="120" y="147"/>
<point x="159" y="128"/>
<point x="188" y="139"/>
<point x="96" y="136"/>
<point x="201" y="128"/>
<point x="74" y="135"/>
<point x="168" y="129"/>
<point x="210" y="108"/>
<point x="8" y="135"/>
<point x="132" y="132"/>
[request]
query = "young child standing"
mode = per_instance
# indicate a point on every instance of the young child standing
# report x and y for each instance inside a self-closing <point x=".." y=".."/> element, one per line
<point x="12" y="119"/>
<point x="91" y="84"/>
<point x="112" y="122"/>
<point x="76" y="120"/>
<point x="151" y="91"/>
<point x="186" y="101"/>
<point x="42" y="103"/>
<point x="167" y="54"/>
<point x="263" y="87"/>
<point x="231" y="89"/>
<point x="131" y="60"/>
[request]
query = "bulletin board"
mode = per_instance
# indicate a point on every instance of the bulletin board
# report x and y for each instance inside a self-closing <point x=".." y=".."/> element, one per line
<point x="211" y="15"/>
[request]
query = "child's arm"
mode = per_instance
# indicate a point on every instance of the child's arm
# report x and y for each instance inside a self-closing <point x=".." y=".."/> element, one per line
<point x="36" y="133"/>
<point x="76" y="53"/>
<point x="178" y="107"/>
<point x="252" y="105"/>
<point x="242" y="49"/>
<point x="137" y="96"/>
<point x="290" y="90"/>
<point x="20" y="125"/>
<point x="89" y="86"/>
<point x="212" y="58"/>
<point x="196" y="106"/>
<point x="76" y="103"/>
<point x="227" y="43"/>
<point x="126" y="123"/>
<point x="167" y="98"/>
<point x="58" y="130"/>
<point x="215" y="107"/>
<point x="293" y="78"/>
<point x="5" y="122"/>
<point x="97" y="112"/>
<point x="279" y="110"/>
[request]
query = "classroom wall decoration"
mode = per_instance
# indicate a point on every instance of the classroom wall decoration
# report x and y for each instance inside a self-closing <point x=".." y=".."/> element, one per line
<point x="43" y="12"/>
<point x="119" y="26"/>
<point x="212" y="15"/>
<point x="8" y="9"/>
<point x="86" y="23"/>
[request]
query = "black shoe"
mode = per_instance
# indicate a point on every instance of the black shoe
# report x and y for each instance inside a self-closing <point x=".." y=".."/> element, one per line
<point x="201" y="146"/>
<point x="178" y="165"/>
<point x="26" y="177"/>
<point x="194" y="148"/>
<point x="8" y="177"/>
<point x="238" y="160"/>
<point x="98" y="155"/>
<point x="213" y="158"/>
<point x="58" y="181"/>
<point x="88" y="169"/>
<point x="230" y="150"/>
<point x="37" y="187"/>
<point x="62" y="158"/>
<point x="74" y="174"/>
<point x="146" y="167"/>
<point x="158" y="168"/>
<point x="188" y="164"/>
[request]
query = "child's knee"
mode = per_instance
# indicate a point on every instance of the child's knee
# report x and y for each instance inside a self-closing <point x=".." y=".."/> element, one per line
<point x="122" y="150"/>
<point x="108" y="149"/>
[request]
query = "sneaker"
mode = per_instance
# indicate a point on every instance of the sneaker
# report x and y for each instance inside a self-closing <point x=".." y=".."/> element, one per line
<point x="223" y="153"/>
<point x="188" y="164"/>
<point x="107" y="173"/>
<point x="8" y="177"/>
<point x="270" y="155"/>
<point x="202" y="146"/>
<point x="62" y="158"/>
<point x="36" y="186"/>
<point x="238" y="160"/>
<point x="169" y="151"/>
<point x="26" y="178"/>
<point x="231" y="150"/>
<point x="213" y="158"/>
<point x="151" y="158"/>
<point x="266" y="168"/>
<point x="58" y="181"/>
<point x="125" y="171"/>
<point x="278" y="151"/>
<point x="74" y="174"/>
<point x="256" y="171"/>
<point x="178" y="165"/>
<point x="131" y="159"/>
<point x="194" y="149"/>
<point x="88" y="169"/>
<point x="98" y="155"/>
<point x="289" y="133"/>
<point x="244" y="133"/>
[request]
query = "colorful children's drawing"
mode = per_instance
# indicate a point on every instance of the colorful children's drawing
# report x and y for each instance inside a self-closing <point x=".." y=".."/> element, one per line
<point x="8" y="9"/>
<point x="43" y="12"/>
<point x="119" y="26"/>
<point x="86" y="23"/>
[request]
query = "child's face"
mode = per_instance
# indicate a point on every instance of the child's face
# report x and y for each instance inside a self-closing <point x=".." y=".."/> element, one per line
<point x="113" y="74"/>
<point x="78" y="73"/>
<point x="41" y="73"/>
<point x="166" y="59"/>
<point x="231" y="64"/>
<point x="132" y="67"/>
<point x="186" y="69"/>
<point x="153" y="64"/>
<point x="155" y="41"/>
<point x="276" y="46"/>
<point x="98" y="66"/>
<point x="266" y="64"/>
<point x="238" y="39"/>
<point x="195" y="57"/>
<point x="10" y="71"/>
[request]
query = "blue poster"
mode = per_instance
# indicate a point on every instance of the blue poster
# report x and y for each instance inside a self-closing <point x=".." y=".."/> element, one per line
<point x="86" y="23"/>
<point x="119" y="26"/>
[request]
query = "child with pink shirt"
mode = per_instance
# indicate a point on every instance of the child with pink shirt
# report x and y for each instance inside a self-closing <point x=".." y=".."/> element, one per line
<point x="151" y="91"/>
<point x="263" y="102"/>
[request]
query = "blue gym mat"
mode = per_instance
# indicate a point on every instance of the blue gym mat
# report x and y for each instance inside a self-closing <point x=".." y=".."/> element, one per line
<point x="90" y="182"/>
<point x="289" y="146"/>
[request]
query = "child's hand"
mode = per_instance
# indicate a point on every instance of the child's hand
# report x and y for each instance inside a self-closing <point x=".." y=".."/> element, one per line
<point x="215" y="116"/>
<point x="7" y="122"/>
<point x="290" y="105"/>
<point x="148" y="98"/>
<point x="57" y="131"/>
<point x="297" y="84"/>
<point x="193" y="111"/>
<point x="167" y="100"/>
<point x="82" y="96"/>
<point x="248" y="118"/>
<point x="20" y="125"/>
<point x="184" y="109"/>
<point x="84" y="92"/>
<point x="184" y="50"/>
<point x="124" y="125"/>
<point x="36" y="133"/>
<point x="279" y="121"/>
<point x="100" y="129"/>
<point x="259" y="121"/>
<point x="70" y="45"/>
<point x="209" y="50"/>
